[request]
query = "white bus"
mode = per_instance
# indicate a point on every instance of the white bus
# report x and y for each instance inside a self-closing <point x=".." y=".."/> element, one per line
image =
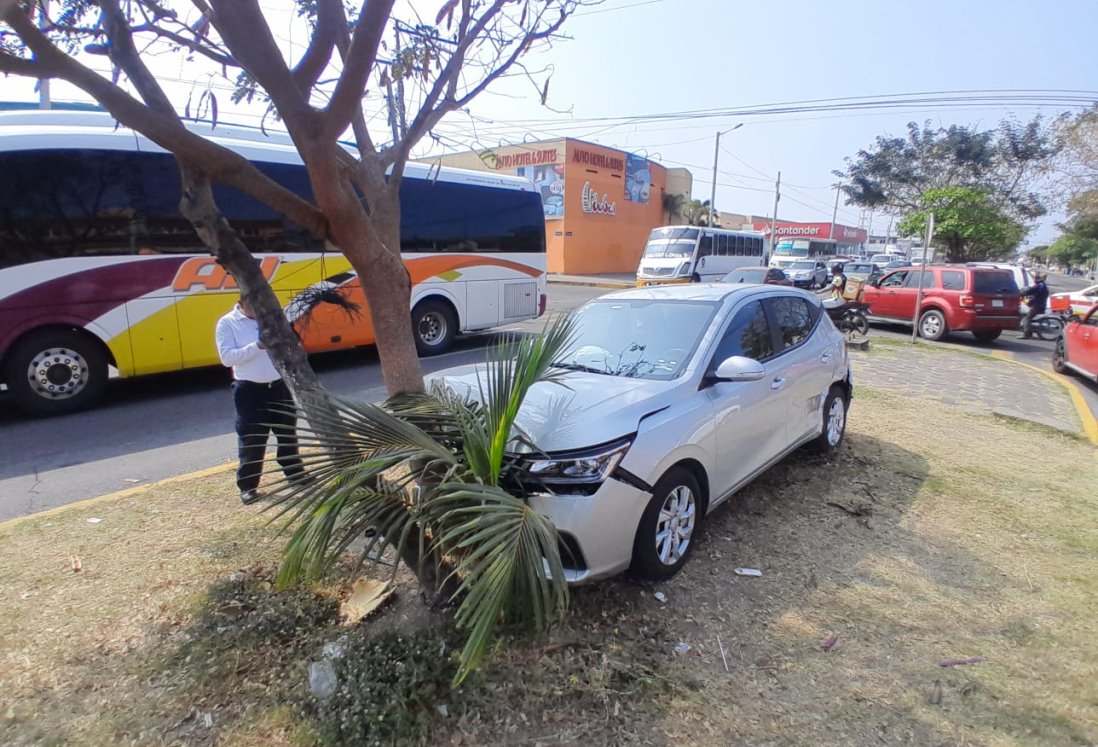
<point x="684" y="254"/>
<point x="789" y="251"/>
<point x="99" y="270"/>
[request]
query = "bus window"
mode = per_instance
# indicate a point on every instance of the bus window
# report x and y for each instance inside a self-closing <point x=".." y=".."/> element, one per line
<point x="705" y="245"/>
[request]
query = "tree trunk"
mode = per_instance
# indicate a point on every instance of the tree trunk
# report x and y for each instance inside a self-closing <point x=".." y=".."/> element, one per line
<point x="197" y="205"/>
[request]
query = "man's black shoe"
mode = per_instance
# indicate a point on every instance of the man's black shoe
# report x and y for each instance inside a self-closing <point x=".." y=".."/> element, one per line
<point x="248" y="497"/>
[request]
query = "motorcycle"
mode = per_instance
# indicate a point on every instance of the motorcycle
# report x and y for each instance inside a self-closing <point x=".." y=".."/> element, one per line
<point x="849" y="316"/>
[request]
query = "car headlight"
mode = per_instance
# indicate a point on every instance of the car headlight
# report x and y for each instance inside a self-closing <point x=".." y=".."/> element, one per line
<point x="576" y="469"/>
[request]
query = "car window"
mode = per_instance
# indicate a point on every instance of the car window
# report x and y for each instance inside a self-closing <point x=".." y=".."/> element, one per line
<point x="993" y="281"/>
<point x="912" y="280"/>
<point x="775" y="274"/>
<point x="794" y="318"/>
<point x="894" y="280"/>
<point x="953" y="280"/>
<point x="748" y="335"/>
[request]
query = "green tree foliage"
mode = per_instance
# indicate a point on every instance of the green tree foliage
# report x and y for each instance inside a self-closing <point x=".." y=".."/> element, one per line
<point x="696" y="212"/>
<point x="1004" y="164"/>
<point x="967" y="221"/>
<point x="1073" y="250"/>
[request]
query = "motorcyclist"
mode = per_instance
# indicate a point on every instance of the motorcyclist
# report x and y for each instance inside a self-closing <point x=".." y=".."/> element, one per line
<point x="838" y="282"/>
<point x="1037" y="298"/>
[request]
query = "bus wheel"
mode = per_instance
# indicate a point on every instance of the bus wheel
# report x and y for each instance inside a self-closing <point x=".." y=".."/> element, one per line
<point x="53" y="372"/>
<point x="434" y="325"/>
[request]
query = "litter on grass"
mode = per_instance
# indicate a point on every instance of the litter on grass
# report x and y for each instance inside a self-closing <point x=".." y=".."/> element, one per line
<point x="748" y="572"/>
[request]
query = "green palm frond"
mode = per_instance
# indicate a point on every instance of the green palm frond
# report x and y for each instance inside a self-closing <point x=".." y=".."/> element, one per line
<point x="507" y="558"/>
<point x="363" y="462"/>
<point x="514" y="365"/>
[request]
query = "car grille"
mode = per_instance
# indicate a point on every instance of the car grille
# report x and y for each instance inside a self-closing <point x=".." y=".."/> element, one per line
<point x="653" y="272"/>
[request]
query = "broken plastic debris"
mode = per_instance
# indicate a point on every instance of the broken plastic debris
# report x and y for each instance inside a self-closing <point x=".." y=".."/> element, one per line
<point x="660" y="596"/>
<point x="830" y="643"/>
<point x="748" y="572"/>
<point x="94" y="520"/>
<point x="682" y="648"/>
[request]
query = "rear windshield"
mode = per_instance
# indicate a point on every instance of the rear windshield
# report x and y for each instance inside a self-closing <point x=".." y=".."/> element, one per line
<point x="993" y="281"/>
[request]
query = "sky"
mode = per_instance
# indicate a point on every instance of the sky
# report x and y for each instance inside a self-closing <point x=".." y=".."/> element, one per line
<point x="637" y="57"/>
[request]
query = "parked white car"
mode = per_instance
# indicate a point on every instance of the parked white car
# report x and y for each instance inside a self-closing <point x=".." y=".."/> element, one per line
<point x="808" y="273"/>
<point x="675" y="397"/>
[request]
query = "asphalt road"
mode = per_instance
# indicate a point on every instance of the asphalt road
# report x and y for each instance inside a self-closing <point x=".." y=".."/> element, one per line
<point x="156" y="427"/>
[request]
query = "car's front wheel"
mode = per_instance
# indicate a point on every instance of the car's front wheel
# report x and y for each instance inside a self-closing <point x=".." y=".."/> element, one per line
<point x="1059" y="358"/>
<point x="669" y="527"/>
<point x="834" y="421"/>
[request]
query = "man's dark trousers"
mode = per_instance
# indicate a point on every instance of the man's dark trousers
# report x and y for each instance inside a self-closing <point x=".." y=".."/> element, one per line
<point x="260" y="409"/>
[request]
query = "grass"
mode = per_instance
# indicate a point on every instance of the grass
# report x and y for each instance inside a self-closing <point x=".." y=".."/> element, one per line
<point x="932" y="535"/>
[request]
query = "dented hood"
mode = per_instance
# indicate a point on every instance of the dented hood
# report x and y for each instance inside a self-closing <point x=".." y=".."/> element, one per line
<point x="577" y="411"/>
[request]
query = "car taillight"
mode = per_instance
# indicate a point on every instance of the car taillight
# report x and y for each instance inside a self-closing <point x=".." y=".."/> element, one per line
<point x="541" y="304"/>
<point x="968" y="302"/>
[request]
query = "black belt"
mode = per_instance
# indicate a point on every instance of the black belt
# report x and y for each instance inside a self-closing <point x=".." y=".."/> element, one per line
<point x="263" y="384"/>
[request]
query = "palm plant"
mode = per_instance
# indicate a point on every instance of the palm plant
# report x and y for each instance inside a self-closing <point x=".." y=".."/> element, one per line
<point x="433" y="477"/>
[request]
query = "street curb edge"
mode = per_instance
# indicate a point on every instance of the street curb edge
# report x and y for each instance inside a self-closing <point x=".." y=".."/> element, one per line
<point x="1090" y="424"/>
<point x="119" y="494"/>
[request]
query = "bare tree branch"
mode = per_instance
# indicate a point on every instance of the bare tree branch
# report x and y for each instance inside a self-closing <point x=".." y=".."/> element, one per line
<point x="329" y="18"/>
<point x="429" y="117"/>
<point x="243" y="27"/>
<point x="358" y="63"/>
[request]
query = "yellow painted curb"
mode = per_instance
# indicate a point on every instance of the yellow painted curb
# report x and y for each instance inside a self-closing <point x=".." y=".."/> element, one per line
<point x="119" y="495"/>
<point x="1090" y="425"/>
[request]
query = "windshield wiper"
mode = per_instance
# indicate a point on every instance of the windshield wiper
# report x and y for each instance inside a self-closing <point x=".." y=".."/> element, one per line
<point x="580" y="367"/>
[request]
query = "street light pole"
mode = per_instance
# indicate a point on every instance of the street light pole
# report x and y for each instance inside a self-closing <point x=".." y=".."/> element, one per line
<point x="716" y="155"/>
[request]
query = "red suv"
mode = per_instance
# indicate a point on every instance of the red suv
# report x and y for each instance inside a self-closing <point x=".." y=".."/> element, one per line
<point x="983" y="301"/>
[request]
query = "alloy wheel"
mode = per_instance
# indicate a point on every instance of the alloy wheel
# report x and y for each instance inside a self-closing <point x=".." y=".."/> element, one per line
<point x="58" y="373"/>
<point x="836" y="420"/>
<point x="675" y="524"/>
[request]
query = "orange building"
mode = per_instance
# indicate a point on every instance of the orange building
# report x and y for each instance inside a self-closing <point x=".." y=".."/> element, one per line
<point x="600" y="203"/>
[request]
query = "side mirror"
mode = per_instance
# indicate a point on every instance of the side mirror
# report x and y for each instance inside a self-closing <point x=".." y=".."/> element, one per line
<point x="739" y="368"/>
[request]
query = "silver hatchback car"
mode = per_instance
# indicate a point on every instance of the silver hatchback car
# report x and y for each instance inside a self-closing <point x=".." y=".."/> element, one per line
<point x="675" y="397"/>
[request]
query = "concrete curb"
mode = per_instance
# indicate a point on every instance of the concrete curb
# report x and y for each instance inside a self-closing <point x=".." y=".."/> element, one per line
<point x="594" y="283"/>
<point x="120" y="494"/>
<point x="1090" y="424"/>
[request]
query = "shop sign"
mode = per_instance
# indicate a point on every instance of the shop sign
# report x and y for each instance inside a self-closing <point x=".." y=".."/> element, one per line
<point x="523" y="158"/>
<point x="598" y="160"/>
<point x="590" y="202"/>
<point x="843" y="234"/>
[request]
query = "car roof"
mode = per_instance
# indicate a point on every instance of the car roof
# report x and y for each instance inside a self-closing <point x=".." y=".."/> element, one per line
<point x="697" y="292"/>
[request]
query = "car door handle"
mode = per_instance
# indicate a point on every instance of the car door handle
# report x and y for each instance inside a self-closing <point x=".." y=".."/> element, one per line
<point x="777" y="384"/>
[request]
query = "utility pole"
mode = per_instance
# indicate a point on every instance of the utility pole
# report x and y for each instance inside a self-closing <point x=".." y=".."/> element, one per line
<point x="835" y="212"/>
<point x="774" y="217"/>
<point x="44" y="83"/>
<point x="922" y="276"/>
<point x="713" y="189"/>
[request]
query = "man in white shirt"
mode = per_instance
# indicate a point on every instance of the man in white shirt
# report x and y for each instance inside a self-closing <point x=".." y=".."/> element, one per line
<point x="262" y="400"/>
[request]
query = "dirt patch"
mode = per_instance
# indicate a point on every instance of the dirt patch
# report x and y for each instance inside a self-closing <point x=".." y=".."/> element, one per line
<point x="930" y="539"/>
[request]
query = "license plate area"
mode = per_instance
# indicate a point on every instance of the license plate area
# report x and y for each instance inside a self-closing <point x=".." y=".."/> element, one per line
<point x="996" y="303"/>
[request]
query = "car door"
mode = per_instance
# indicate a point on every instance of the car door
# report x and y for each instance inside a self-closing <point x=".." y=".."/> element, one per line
<point x="889" y="298"/>
<point x="1083" y="343"/>
<point x="749" y="416"/>
<point x="806" y="356"/>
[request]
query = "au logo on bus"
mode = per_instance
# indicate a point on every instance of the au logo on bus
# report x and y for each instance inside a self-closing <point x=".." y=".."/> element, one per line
<point x="204" y="273"/>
